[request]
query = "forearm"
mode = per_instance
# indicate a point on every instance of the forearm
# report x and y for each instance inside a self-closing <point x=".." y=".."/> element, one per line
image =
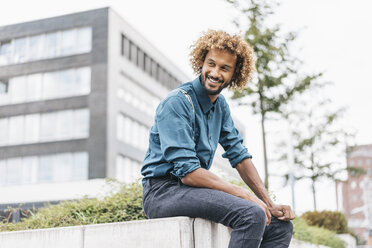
<point x="203" y="178"/>
<point x="250" y="176"/>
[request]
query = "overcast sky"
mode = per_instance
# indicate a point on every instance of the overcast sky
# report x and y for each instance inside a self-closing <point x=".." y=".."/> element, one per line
<point x="336" y="40"/>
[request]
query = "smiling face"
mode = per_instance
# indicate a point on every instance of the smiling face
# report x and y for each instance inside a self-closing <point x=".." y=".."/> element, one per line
<point x="217" y="71"/>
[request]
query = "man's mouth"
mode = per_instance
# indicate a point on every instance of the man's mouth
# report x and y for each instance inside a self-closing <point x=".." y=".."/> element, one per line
<point x="214" y="80"/>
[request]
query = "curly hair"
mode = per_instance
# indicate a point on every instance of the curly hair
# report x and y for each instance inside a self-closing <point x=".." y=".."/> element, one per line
<point x="235" y="44"/>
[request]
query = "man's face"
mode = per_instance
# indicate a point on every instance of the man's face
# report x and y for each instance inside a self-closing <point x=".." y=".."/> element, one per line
<point x="217" y="71"/>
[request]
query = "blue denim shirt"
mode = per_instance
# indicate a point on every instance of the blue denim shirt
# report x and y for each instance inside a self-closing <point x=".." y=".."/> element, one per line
<point x="185" y="135"/>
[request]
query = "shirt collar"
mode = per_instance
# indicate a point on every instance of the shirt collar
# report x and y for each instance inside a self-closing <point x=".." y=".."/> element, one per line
<point x="202" y="96"/>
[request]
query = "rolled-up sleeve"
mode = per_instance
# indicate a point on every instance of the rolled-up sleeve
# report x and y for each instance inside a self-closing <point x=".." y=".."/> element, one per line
<point x="176" y="136"/>
<point x="231" y="140"/>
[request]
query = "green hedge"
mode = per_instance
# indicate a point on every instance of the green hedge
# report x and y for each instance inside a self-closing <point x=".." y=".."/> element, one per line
<point x="331" y="220"/>
<point x="315" y="235"/>
<point x="125" y="205"/>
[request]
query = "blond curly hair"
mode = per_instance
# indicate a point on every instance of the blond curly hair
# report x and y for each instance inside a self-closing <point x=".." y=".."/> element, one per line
<point x="235" y="44"/>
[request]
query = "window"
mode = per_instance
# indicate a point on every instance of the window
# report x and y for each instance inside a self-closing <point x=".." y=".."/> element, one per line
<point x="4" y="131"/>
<point x="148" y="64"/>
<point x="36" y="44"/>
<point x="51" y="47"/>
<point x="81" y="123"/>
<point x="20" y="50"/>
<point x="53" y="126"/>
<point x="80" y="166"/>
<point x="141" y="59"/>
<point x="48" y="128"/>
<point x="133" y="53"/>
<point x="50" y="85"/>
<point x="3" y="173"/>
<point x="5" y="52"/>
<point x="34" y="83"/>
<point x="127" y="170"/>
<point x="32" y="125"/>
<point x="15" y="130"/>
<point x="125" y="47"/>
<point x="44" y="169"/>
<point x="84" y="40"/>
<point x="3" y="87"/>
<point x="66" y="83"/>
<point x="83" y="78"/>
<point x="17" y="89"/>
<point x="68" y="42"/>
<point x="14" y="170"/>
<point x="65" y="125"/>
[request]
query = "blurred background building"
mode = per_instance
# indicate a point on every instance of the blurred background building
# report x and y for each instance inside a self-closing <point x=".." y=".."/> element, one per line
<point x="78" y="95"/>
<point x="357" y="192"/>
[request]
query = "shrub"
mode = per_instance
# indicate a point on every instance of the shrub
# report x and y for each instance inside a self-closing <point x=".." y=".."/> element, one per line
<point x="331" y="220"/>
<point x="315" y="235"/>
<point x="124" y="205"/>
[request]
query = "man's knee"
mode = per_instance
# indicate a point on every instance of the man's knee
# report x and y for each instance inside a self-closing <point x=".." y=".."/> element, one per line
<point x="253" y="215"/>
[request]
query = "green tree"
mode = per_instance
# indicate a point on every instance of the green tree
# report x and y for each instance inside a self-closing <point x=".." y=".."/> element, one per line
<point x="318" y="141"/>
<point x="276" y="80"/>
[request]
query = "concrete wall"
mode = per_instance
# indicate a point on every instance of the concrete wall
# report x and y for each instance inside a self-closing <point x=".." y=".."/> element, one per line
<point x="178" y="232"/>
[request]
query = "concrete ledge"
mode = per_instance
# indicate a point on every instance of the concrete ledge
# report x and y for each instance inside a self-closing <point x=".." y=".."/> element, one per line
<point x="177" y="232"/>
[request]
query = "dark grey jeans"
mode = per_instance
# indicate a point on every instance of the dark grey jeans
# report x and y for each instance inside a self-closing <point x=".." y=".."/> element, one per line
<point x="169" y="198"/>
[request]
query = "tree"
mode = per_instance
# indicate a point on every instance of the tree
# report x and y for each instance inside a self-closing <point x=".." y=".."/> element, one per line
<point x="276" y="80"/>
<point x="319" y="141"/>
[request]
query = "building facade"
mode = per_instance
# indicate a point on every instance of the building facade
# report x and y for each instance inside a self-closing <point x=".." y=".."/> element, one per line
<point x="357" y="192"/>
<point x="78" y="95"/>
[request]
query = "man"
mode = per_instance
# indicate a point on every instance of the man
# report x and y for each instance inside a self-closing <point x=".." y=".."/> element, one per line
<point x="189" y="124"/>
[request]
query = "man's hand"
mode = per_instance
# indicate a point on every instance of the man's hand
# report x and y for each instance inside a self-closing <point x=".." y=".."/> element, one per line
<point x="246" y="194"/>
<point x="282" y="212"/>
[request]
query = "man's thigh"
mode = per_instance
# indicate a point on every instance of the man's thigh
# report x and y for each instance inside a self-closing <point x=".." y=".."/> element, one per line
<point x="169" y="198"/>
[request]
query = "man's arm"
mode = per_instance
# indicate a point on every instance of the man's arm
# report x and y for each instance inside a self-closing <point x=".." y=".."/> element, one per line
<point x="203" y="178"/>
<point x="250" y="176"/>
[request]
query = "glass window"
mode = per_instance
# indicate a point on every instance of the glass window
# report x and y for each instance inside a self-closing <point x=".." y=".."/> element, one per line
<point x="14" y="171"/>
<point x="66" y="83"/>
<point x="15" y="130"/>
<point x="5" y="52"/>
<point x="368" y="161"/>
<point x="32" y="128"/>
<point x="48" y="127"/>
<point x="148" y="64"/>
<point x="62" y="167"/>
<point x="81" y="123"/>
<point x="141" y="59"/>
<point x="83" y="78"/>
<point x="3" y="173"/>
<point x="65" y="122"/>
<point x="17" y="89"/>
<point x="3" y="87"/>
<point x="30" y="169"/>
<point x="128" y="125"/>
<point x="36" y="47"/>
<point x="154" y="69"/>
<point x="45" y="170"/>
<point x="126" y="47"/>
<point x="68" y="42"/>
<point x="4" y="131"/>
<point x="50" y="85"/>
<point x="20" y="50"/>
<point x="34" y="87"/>
<point x="84" y="40"/>
<point x="51" y="45"/>
<point x="80" y="166"/>
<point x="133" y="53"/>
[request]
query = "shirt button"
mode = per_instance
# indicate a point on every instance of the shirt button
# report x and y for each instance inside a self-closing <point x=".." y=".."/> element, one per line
<point x="210" y="137"/>
<point x="209" y="117"/>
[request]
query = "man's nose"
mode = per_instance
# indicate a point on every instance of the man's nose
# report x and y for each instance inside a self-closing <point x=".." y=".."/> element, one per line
<point x="215" y="72"/>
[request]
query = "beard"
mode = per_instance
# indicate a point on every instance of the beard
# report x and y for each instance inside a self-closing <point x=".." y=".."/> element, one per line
<point x="211" y="92"/>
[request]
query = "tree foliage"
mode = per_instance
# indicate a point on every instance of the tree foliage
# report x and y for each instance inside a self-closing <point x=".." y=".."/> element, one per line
<point x="277" y="79"/>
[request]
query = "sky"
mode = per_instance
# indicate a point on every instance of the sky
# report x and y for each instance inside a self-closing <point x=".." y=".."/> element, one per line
<point x="335" y="39"/>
